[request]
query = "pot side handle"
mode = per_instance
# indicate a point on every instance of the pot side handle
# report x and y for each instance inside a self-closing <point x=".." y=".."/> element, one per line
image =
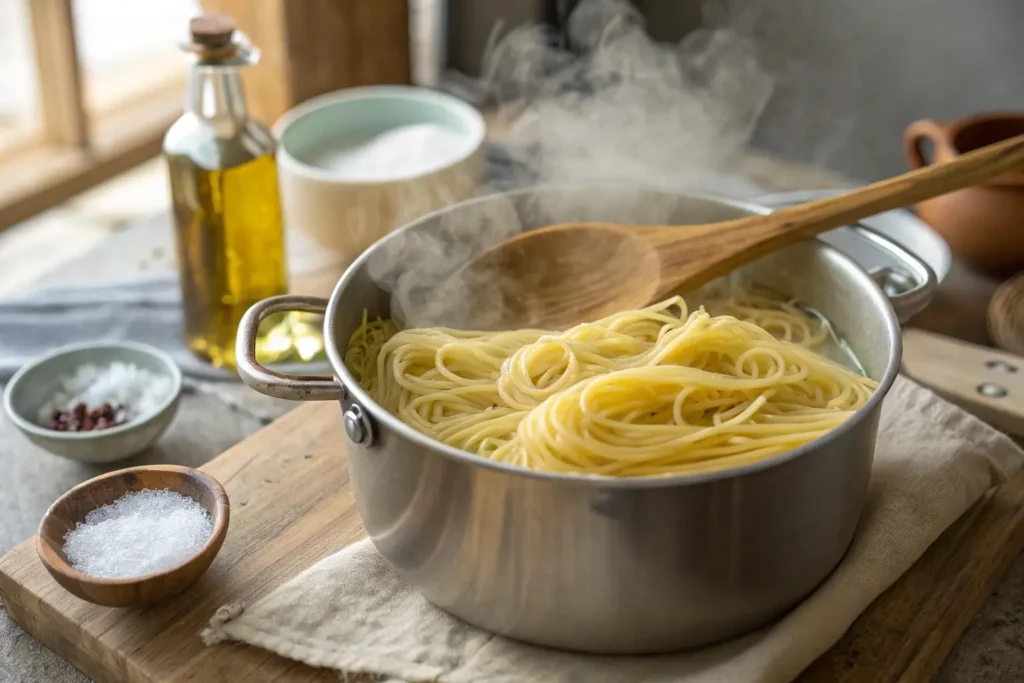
<point x="279" y="384"/>
<point x="911" y="287"/>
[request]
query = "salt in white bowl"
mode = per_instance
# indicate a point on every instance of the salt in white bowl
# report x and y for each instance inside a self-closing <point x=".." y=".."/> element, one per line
<point x="323" y="193"/>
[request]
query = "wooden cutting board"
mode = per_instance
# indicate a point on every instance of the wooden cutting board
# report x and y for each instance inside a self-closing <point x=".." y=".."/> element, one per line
<point x="292" y="505"/>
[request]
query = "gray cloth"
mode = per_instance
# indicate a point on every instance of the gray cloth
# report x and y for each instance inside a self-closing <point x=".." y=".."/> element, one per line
<point x="145" y="310"/>
<point x="142" y="309"/>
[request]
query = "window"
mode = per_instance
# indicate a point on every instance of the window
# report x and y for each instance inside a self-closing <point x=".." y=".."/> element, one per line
<point x="129" y="49"/>
<point x="18" y="104"/>
<point x="87" y="90"/>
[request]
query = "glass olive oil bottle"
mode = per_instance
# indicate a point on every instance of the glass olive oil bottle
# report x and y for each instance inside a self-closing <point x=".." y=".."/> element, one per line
<point x="227" y="214"/>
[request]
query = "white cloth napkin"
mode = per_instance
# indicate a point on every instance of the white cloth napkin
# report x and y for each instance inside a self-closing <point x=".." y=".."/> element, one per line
<point x="350" y="612"/>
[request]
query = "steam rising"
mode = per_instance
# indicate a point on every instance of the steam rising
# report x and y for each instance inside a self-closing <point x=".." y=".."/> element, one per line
<point x="614" y="105"/>
<point x="611" y="109"/>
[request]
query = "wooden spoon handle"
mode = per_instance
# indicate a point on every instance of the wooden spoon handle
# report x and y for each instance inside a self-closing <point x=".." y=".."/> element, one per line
<point x="801" y="221"/>
<point x="733" y="243"/>
<point x="806" y="220"/>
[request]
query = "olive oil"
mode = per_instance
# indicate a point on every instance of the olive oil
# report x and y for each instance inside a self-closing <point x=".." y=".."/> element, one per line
<point x="231" y="248"/>
<point x="228" y="227"/>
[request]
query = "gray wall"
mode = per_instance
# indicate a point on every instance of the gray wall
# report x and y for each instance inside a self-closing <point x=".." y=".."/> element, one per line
<point x="854" y="73"/>
<point x="851" y="74"/>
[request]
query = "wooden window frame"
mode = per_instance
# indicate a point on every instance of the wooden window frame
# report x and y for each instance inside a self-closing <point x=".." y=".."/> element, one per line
<point x="74" y="148"/>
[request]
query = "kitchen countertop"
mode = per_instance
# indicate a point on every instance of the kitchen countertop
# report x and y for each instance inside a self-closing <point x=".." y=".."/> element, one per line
<point x="215" y="416"/>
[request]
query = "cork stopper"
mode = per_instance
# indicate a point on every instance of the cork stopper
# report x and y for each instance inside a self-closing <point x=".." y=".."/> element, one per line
<point x="212" y="31"/>
<point x="215" y="40"/>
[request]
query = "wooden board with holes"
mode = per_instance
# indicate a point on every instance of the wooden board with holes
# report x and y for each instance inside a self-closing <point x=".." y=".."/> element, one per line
<point x="292" y="505"/>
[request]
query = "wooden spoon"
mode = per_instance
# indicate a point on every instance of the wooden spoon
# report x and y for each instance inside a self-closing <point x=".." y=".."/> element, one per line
<point x="559" y="275"/>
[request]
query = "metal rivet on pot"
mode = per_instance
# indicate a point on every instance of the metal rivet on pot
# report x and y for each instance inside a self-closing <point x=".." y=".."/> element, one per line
<point x="357" y="426"/>
<point x="1000" y="366"/>
<point x="992" y="390"/>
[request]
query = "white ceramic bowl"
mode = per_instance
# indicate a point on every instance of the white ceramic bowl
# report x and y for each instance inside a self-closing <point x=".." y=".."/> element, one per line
<point x="36" y="382"/>
<point x="345" y="212"/>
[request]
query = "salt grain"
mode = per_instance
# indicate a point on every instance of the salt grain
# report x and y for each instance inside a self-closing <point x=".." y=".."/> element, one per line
<point x="137" y="390"/>
<point x="140" y="533"/>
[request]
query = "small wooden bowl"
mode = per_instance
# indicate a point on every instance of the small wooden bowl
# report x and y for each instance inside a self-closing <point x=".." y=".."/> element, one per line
<point x="73" y="506"/>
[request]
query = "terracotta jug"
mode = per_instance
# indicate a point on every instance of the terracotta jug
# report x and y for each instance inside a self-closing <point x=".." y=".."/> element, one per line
<point x="984" y="224"/>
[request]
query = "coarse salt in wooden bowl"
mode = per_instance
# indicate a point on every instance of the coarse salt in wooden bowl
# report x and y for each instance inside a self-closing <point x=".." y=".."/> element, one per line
<point x="145" y="589"/>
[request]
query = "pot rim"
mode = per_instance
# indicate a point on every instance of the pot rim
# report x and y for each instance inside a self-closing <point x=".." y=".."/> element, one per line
<point x="355" y="392"/>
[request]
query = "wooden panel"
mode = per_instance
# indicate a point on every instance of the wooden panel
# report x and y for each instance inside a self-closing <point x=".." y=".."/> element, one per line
<point x="311" y="47"/>
<point x="292" y="506"/>
<point x="340" y="44"/>
<point x="59" y="73"/>
<point x="910" y="629"/>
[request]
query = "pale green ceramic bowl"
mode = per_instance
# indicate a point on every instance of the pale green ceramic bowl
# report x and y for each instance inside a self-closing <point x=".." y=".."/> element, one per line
<point x="346" y="213"/>
<point x="35" y="383"/>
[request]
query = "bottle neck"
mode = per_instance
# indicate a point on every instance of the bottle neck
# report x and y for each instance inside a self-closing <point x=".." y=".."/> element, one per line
<point x="215" y="94"/>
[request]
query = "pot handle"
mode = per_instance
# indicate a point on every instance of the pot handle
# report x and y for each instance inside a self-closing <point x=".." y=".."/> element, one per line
<point x="925" y="129"/>
<point x="910" y="288"/>
<point x="279" y="384"/>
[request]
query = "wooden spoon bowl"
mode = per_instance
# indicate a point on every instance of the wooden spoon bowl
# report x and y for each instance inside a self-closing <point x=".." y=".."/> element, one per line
<point x="73" y="506"/>
<point x="529" y="286"/>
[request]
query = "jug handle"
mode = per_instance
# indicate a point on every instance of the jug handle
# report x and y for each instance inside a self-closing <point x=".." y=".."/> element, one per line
<point x="918" y="131"/>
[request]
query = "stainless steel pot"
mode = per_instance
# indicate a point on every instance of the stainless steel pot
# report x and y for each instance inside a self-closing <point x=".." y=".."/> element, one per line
<point x="608" y="566"/>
